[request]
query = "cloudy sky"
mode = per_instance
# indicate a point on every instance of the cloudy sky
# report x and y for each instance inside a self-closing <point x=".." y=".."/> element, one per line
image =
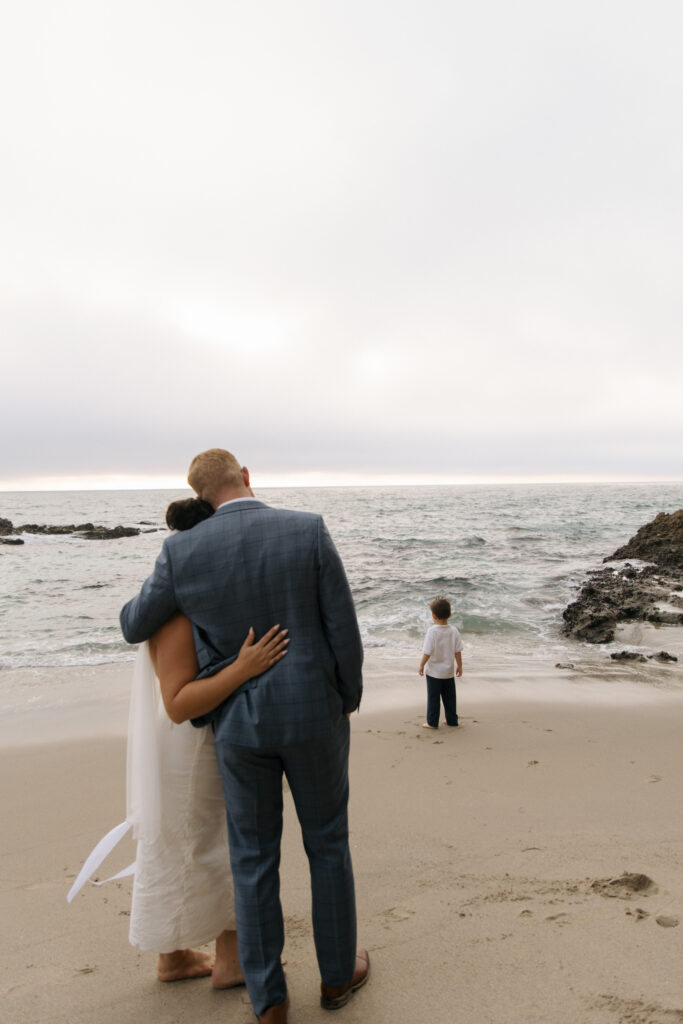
<point x="359" y="240"/>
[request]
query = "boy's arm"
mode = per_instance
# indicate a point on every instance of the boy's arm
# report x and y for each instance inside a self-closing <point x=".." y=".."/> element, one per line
<point x="458" y="663"/>
<point x="423" y="661"/>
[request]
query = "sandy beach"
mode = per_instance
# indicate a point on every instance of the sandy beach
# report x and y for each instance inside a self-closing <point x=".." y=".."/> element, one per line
<point x="525" y="867"/>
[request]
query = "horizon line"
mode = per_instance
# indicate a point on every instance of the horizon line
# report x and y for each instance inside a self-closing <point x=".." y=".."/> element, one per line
<point x="267" y="481"/>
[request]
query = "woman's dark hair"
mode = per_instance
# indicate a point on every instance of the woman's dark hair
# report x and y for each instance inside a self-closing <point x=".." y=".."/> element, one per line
<point x="187" y="512"/>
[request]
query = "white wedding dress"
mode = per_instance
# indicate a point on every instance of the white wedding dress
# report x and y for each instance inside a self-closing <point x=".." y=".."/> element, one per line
<point x="182" y="892"/>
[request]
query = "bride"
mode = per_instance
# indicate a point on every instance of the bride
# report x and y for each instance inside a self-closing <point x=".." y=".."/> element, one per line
<point x="182" y="891"/>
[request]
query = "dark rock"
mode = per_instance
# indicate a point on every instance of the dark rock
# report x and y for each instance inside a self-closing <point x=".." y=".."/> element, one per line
<point x="107" y="533"/>
<point x="56" y="531"/>
<point x="11" y="540"/>
<point x="660" y="541"/>
<point x="629" y="594"/>
<point x="627" y="656"/>
<point x="665" y="618"/>
<point x="607" y="598"/>
<point x="87" y="531"/>
<point x="663" y="656"/>
<point x="5" y="527"/>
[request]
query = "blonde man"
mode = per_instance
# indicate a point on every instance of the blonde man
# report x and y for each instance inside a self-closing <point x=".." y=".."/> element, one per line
<point x="246" y="566"/>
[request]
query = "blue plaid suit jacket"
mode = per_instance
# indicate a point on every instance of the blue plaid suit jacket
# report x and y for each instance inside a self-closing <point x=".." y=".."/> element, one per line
<point x="251" y="565"/>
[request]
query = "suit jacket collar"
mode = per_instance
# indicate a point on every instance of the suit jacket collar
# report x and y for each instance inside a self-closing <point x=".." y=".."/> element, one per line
<point x="237" y="506"/>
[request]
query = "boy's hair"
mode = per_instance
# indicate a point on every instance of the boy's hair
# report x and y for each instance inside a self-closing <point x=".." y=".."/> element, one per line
<point x="186" y="513"/>
<point x="441" y="608"/>
<point x="212" y="470"/>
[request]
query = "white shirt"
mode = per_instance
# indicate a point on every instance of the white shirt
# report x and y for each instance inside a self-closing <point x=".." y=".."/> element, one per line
<point x="442" y="643"/>
<point x="232" y="501"/>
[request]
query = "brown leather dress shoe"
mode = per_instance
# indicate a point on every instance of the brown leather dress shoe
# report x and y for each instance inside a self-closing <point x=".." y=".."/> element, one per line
<point x="275" y="1014"/>
<point x="332" y="997"/>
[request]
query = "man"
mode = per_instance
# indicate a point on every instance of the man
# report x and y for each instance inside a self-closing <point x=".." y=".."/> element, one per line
<point x="250" y="565"/>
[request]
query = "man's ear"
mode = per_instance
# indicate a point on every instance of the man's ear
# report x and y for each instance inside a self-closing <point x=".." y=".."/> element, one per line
<point x="245" y="476"/>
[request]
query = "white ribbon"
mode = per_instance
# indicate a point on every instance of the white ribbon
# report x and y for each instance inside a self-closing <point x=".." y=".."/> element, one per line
<point x="143" y="775"/>
<point x="95" y="858"/>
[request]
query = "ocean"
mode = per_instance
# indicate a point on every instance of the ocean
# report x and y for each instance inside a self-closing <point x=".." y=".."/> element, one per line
<point x="509" y="557"/>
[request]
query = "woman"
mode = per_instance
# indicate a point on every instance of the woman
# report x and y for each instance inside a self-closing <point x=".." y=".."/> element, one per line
<point x="182" y="893"/>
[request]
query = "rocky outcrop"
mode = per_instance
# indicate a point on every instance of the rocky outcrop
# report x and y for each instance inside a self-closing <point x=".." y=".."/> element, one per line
<point x="660" y="541"/>
<point x="106" y="532"/>
<point x="87" y="531"/>
<point x="650" y="593"/>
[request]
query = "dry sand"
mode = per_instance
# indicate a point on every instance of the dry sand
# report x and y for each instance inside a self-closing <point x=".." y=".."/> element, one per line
<point x="489" y="863"/>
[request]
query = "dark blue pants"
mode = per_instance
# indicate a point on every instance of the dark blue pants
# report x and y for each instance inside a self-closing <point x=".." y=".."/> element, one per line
<point x="317" y="773"/>
<point x="441" y="690"/>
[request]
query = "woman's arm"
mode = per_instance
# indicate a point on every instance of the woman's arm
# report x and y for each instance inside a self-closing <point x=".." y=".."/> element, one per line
<point x="175" y="663"/>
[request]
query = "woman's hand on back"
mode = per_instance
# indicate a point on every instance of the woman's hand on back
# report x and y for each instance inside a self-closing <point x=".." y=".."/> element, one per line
<point x="257" y="657"/>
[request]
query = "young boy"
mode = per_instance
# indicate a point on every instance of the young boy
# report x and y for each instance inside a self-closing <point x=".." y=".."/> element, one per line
<point x="441" y="647"/>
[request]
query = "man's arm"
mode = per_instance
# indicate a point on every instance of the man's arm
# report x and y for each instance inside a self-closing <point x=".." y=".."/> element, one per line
<point x="153" y="606"/>
<point x="339" y="621"/>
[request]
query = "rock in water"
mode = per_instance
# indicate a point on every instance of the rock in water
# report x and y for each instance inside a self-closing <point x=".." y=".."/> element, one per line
<point x="663" y="656"/>
<point x="660" y="541"/>
<point x="107" y="533"/>
<point x="86" y="531"/>
<point x="627" y="594"/>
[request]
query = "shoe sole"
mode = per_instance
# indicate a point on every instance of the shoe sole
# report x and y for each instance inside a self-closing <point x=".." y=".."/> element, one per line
<point x="336" y="1004"/>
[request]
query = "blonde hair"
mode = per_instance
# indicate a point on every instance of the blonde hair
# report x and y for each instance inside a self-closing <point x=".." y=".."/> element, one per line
<point x="213" y="470"/>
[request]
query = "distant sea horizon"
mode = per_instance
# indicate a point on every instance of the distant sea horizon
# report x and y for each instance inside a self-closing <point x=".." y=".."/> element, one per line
<point x="269" y="481"/>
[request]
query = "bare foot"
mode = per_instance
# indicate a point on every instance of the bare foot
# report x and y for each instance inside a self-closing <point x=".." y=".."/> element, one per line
<point x="227" y="972"/>
<point x="184" y="963"/>
<point x="426" y="726"/>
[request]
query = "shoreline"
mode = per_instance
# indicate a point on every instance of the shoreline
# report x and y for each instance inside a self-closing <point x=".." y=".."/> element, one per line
<point x="93" y="699"/>
<point x="483" y="857"/>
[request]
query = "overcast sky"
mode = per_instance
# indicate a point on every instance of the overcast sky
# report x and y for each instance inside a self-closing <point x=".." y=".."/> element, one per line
<point x="346" y="240"/>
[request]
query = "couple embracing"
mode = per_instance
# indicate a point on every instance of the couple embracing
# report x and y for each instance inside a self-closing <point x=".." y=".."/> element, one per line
<point x="246" y="567"/>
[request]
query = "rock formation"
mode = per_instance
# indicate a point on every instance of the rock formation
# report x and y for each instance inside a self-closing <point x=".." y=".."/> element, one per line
<point x="87" y="531"/>
<point x="629" y="594"/>
<point x="660" y="541"/>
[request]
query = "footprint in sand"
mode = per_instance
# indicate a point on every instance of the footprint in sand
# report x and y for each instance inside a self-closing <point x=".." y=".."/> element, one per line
<point x="625" y="886"/>
<point x="666" y="921"/>
<point x="655" y="778"/>
<point x="638" y="913"/>
<point x="395" y="915"/>
<point x="560" y="918"/>
<point x="638" y="1011"/>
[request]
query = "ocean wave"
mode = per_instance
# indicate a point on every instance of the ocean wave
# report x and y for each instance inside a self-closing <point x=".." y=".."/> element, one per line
<point x="73" y="656"/>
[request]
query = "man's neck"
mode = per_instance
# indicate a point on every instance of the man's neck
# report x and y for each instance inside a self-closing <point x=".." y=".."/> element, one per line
<point x="230" y="494"/>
